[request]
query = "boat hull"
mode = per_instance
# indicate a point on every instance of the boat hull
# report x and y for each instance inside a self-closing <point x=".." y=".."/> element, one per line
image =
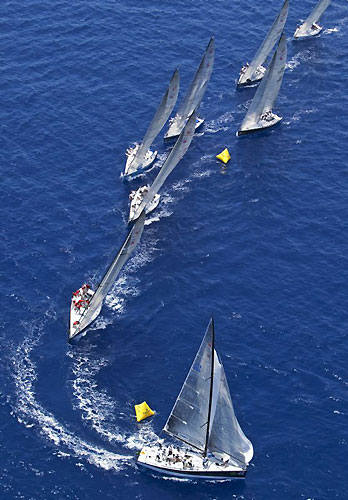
<point x="260" y="128"/>
<point x="150" y="208"/>
<point x="204" y="475"/>
<point x="176" y="133"/>
<point x="148" y="162"/>
<point x="77" y="315"/>
<point x="306" y="34"/>
<point x="248" y="83"/>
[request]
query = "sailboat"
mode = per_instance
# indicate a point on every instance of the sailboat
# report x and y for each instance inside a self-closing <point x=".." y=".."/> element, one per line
<point x="86" y="304"/>
<point x="140" y="157"/>
<point x="147" y="197"/>
<point x="260" y="115"/>
<point x="254" y="72"/>
<point x="203" y="419"/>
<point x="194" y="95"/>
<point x="310" y="26"/>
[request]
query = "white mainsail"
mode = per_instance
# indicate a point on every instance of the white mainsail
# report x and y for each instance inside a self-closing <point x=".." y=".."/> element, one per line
<point x="306" y="28"/>
<point x="91" y="313"/>
<point x="203" y="414"/>
<point x="161" y="116"/>
<point x="255" y="71"/>
<point x="195" y="93"/>
<point x="267" y="93"/>
<point x="173" y="159"/>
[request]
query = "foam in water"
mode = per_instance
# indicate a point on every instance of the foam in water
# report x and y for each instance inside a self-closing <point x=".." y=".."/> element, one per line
<point x="31" y="413"/>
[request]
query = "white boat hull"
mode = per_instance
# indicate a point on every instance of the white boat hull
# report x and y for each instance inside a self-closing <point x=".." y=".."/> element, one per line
<point x="174" y="131"/>
<point x="259" y="74"/>
<point x="76" y="314"/>
<point x="187" y="464"/>
<point x="260" y="125"/>
<point x="138" y="196"/>
<point x="128" y="174"/>
<point x="300" y="34"/>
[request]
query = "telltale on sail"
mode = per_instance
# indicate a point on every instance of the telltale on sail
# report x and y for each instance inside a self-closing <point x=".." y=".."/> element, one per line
<point x="194" y="95"/>
<point x="86" y="304"/>
<point x="203" y="419"/>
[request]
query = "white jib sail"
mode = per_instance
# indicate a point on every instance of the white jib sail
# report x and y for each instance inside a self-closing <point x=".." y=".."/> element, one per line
<point x="225" y="434"/>
<point x="266" y="46"/>
<point x="313" y="17"/>
<point x="111" y="274"/>
<point x="161" y="116"/>
<point x="173" y="159"/>
<point x="268" y="90"/>
<point x="196" y="91"/>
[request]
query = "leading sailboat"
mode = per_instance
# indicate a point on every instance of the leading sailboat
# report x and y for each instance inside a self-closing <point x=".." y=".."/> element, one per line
<point x="254" y="72"/>
<point x="310" y="26"/>
<point x="203" y="419"/>
<point x="194" y="95"/>
<point x="140" y="157"/>
<point x="260" y="115"/>
<point x="147" y="197"/>
<point x="86" y="304"/>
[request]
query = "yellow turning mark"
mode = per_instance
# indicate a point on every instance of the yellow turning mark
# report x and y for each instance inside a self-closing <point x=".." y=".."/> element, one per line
<point x="143" y="411"/>
<point x="224" y="156"/>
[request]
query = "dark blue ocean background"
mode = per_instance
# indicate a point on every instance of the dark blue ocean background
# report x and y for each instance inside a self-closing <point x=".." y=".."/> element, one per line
<point x="262" y="244"/>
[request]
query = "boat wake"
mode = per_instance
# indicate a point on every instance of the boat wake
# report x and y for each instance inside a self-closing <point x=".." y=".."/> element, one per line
<point x="30" y="413"/>
<point x="297" y="59"/>
<point x="220" y="124"/>
<point x="297" y="116"/>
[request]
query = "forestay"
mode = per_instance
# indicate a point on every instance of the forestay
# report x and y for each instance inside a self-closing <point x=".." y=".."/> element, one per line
<point x="268" y="90"/>
<point x="110" y="276"/>
<point x="173" y="159"/>
<point x="226" y="436"/>
<point x="188" y="419"/>
<point x="196" y="91"/>
<point x="158" y="121"/>
<point x="267" y="45"/>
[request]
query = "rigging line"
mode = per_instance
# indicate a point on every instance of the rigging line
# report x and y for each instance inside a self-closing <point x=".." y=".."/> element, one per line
<point x="211" y="386"/>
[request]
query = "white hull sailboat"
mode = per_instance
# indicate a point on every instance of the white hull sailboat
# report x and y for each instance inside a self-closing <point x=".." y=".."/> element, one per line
<point x="254" y="72"/>
<point x="310" y="26"/>
<point x="202" y="418"/>
<point x="86" y="304"/>
<point x="140" y="157"/>
<point x="260" y="115"/>
<point x="147" y="198"/>
<point x="194" y="95"/>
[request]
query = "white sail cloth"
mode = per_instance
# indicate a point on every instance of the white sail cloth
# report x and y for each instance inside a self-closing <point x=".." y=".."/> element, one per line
<point x="204" y="398"/>
<point x="268" y="90"/>
<point x="161" y="116"/>
<point x="110" y="276"/>
<point x="173" y="159"/>
<point x="195" y="93"/>
<point x="251" y="73"/>
<point x="306" y="27"/>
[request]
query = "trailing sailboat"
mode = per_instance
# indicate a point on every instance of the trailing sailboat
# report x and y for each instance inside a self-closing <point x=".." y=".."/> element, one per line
<point x="140" y="157"/>
<point x="260" y="115"/>
<point x="194" y="95"/>
<point x="310" y="26"/>
<point x="147" y="197"/>
<point x="203" y="419"/>
<point x="254" y="72"/>
<point x="86" y="304"/>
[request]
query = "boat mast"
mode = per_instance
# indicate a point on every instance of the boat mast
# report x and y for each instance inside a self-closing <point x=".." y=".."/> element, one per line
<point x="211" y="388"/>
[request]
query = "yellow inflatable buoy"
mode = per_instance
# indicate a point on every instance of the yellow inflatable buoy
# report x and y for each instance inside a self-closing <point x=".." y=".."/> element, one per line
<point x="224" y="156"/>
<point x="143" y="411"/>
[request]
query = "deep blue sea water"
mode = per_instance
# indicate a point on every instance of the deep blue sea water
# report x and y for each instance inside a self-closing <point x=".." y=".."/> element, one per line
<point x="262" y="244"/>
